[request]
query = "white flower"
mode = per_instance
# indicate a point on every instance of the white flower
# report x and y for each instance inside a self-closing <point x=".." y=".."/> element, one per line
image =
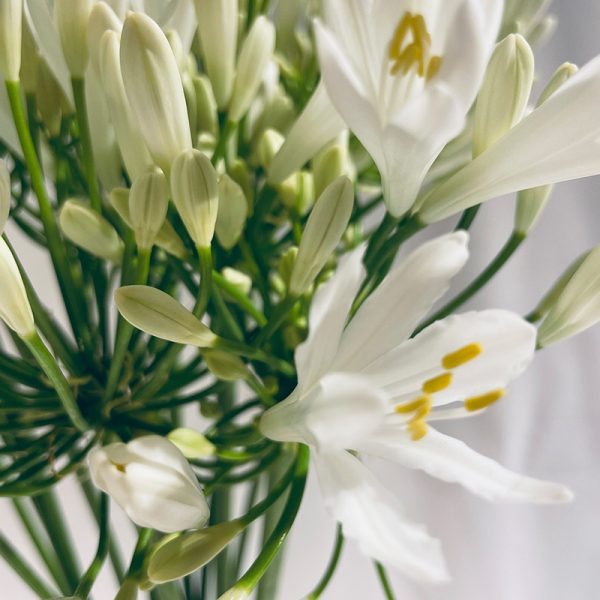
<point x="152" y="482"/>
<point x="403" y="75"/>
<point x="370" y="388"/>
<point x="11" y="12"/>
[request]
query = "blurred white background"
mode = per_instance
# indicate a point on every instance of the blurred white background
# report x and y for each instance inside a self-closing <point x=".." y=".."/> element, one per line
<point x="546" y="427"/>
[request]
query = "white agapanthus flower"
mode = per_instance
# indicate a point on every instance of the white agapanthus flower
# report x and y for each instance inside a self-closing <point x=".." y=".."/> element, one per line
<point x="368" y="387"/>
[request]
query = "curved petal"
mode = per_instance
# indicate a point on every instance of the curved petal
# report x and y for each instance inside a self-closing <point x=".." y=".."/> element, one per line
<point x="8" y="132"/>
<point x="449" y="459"/>
<point x="370" y="515"/>
<point x="393" y="310"/>
<point x="503" y="344"/>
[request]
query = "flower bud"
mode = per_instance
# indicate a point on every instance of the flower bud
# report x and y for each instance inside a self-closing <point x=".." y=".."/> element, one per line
<point x="194" y="190"/>
<point x="190" y="551"/>
<point x="239" y="279"/>
<point x="323" y="232"/>
<point x="120" y="7"/>
<point x="239" y="172"/>
<point x="225" y="366"/>
<point x="191" y="443"/>
<point x="154" y="89"/>
<point x="560" y="77"/>
<point x="152" y="482"/>
<point x="332" y="162"/>
<point x="160" y="315"/>
<point x="11" y="17"/>
<point x="577" y="307"/>
<point x="15" y="310"/>
<point x="148" y="204"/>
<point x="297" y="192"/>
<point x="268" y="146"/>
<point x="286" y="265"/>
<point x="90" y="231"/>
<point x="218" y="30"/>
<point x="5" y="195"/>
<point x="102" y="19"/>
<point x="206" y="106"/>
<point x="72" y="21"/>
<point x="504" y="93"/>
<point x="256" y="51"/>
<point x="233" y="211"/>
<point x="30" y="61"/>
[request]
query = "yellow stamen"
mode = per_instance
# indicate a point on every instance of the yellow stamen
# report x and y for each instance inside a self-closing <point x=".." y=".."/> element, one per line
<point x="462" y="356"/>
<point x="414" y="405"/>
<point x="434" y="66"/>
<point x="437" y="384"/>
<point x="479" y="402"/>
<point x="399" y="35"/>
<point x="417" y="430"/>
<point x="120" y="467"/>
<point x="420" y="29"/>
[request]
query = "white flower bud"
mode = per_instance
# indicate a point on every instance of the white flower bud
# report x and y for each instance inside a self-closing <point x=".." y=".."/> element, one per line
<point x="206" y="106"/>
<point x="11" y="17"/>
<point x="102" y="19"/>
<point x="154" y="89"/>
<point x="233" y="211"/>
<point x="238" y="171"/>
<point x="14" y="304"/>
<point x="162" y="316"/>
<point x="504" y="93"/>
<point x="191" y="443"/>
<point x="242" y="281"/>
<point x="148" y="204"/>
<point x="297" y="192"/>
<point x="152" y="482"/>
<point x="190" y="551"/>
<point x="255" y="54"/>
<point x="72" y="21"/>
<point x="218" y="30"/>
<point x="323" y="232"/>
<point x="577" y="307"/>
<point x="269" y="144"/>
<point x="5" y="195"/>
<point x="332" y="162"/>
<point x="195" y="194"/>
<point x="560" y="77"/>
<point x="120" y="7"/>
<point x="90" y="231"/>
<point x="225" y="366"/>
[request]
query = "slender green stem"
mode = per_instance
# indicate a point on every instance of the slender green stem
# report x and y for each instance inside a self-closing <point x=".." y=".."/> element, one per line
<point x="513" y="243"/>
<point x="385" y="582"/>
<point x="331" y="567"/>
<point x="129" y="586"/>
<point x="53" y="372"/>
<point x="276" y="319"/>
<point x="240" y="298"/>
<point x="380" y="235"/>
<point x="224" y="138"/>
<point x="467" y="218"/>
<point x="255" y="354"/>
<point x="205" y="256"/>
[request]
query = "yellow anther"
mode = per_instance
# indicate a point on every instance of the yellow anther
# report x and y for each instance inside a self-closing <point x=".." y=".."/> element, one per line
<point x="434" y="66"/>
<point x="399" y="35"/>
<point x="437" y="384"/>
<point x="413" y="405"/>
<point x="417" y="429"/>
<point x="120" y="467"/>
<point x="420" y="29"/>
<point x="462" y="356"/>
<point x="479" y="402"/>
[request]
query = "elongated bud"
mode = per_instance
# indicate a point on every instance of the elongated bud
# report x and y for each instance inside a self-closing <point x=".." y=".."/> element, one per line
<point x="5" y="195"/>
<point x="332" y="162"/>
<point x="297" y="192"/>
<point x="195" y="193"/>
<point x="233" y="211"/>
<point x="72" y="21"/>
<point x="218" y="30"/>
<point x="11" y="17"/>
<point x="30" y="61"/>
<point x="269" y="144"/>
<point x="50" y="99"/>
<point x="190" y="551"/>
<point x="90" y="231"/>
<point x="256" y="51"/>
<point x="162" y="316"/>
<point x="504" y="93"/>
<point x="240" y="173"/>
<point x="560" y="77"/>
<point x="148" y="204"/>
<point x="102" y="19"/>
<point x="154" y="89"/>
<point x="323" y="232"/>
<point x="239" y="279"/>
<point x="225" y="366"/>
<point x="206" y="106"/>
<point x="14" y="304"/>
<point x="577" y="307"/>
<point x="191" y="443"/>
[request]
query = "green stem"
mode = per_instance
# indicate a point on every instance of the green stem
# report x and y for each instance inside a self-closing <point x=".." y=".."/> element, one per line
<point x="129" y="586"/>
<point x="53" y="372"/>
<point x="276" y="319"/>
<point x="205" y="256"/>
<point x="331" y="567"/>
<point x="385" y="582"/>
<point x="224" y="137"/>
<point x="240" y="298"/>
<point x="467" y="218"/>
<point x="513" y="243"/>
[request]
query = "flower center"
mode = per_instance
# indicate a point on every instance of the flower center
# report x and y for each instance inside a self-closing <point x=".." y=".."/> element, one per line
<point x="410" y="48"/>
<point x="119" y="466"/>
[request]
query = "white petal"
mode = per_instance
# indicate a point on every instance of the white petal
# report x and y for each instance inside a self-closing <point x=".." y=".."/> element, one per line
<point x="370" y="515"/>
<point x="328" y="314"/>
<point x="451" y="460"/>
<point x="8" y="133"/>
<point x="392" y="312"/>
<point x="507" y="345"/>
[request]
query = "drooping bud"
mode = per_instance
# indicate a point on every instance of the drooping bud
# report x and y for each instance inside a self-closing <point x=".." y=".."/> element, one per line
<point x="206" y="106"/>
<point x="332" y="162"/>
<point x="297" y="192"/>
<point x="5" y="195"/>
<point x="233" y="211"/>
<point x="323" y="232"/>
<point x="241" y="281"/>
<point x="256" y="51"/>
<point x="148" y="204"/>
<point x="577" y="306"/>
<point x="102" y="19"/>
<point x="90" y="231"/>
<point x="15" y="310"/>
<point x="225" y="366"/>
<point x="11" y="18"/>
<point x="162" y="316"/>
<point x="504" y="92"/>
<point x="30" y="61"/>
<point x="195" y="193"/>
<point x="268" y="146"/>
<point x="72" y="21"/>
<point x="191" y="443"/>
<point x="154" y="89"/>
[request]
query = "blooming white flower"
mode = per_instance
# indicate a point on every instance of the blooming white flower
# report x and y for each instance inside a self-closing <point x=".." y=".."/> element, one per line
<point x="152" y="482"/>
<point x="403" y="75"/>
<point x="372" y="389"/>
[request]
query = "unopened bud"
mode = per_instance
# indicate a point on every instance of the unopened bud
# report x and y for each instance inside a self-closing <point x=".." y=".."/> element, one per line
<point x="297" y="192"/>
<point x="154" y="89"/>
<point x="148" y="204"/>
<point x="332" y="162"/>
<point x="504" y="92"/>
<point x="323" y="232"/>
<point x="286" y="265"/>
<point x="102" y="19"/>
<point x="191" y="443"/>
<point x="72" y="22"/>
<point x="15" y="310"/>
<point x="195" y="193"/>
<point x="233" y="211"/>
<point x="256" y="51"/>
<point x="238" y="279"/>
<point x="225" y="366"/>
<point x="206" y="106"/>
<point x="560" y="77"/>
<point x="5" y="195"/>
<point x="278" y="113"/>
<point x="240" y="173"/>
<point x="268" y="146"/>
<point x="90" y="231"/>
<point x="11" y="16"/>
